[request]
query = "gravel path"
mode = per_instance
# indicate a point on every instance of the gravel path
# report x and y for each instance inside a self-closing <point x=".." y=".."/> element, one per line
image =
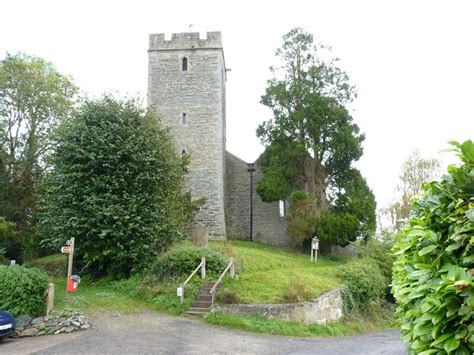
<point x="153" y="333"/>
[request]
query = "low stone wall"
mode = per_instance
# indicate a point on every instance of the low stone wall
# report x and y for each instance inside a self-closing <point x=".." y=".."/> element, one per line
<point x="348" y="250"/>
<point x="323" y="309"/>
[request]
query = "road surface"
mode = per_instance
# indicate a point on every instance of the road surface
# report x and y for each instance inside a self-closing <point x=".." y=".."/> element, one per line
<point x="154" y="333"/>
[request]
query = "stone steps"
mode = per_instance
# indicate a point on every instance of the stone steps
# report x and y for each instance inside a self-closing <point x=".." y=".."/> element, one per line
<point x="204" y="300"/>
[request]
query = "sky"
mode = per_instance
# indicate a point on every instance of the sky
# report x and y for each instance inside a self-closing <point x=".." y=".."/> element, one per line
<point x="412" y="62"/>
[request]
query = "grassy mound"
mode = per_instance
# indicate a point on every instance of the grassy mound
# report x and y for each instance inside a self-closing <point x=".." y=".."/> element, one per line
<point x="269" y="274"/>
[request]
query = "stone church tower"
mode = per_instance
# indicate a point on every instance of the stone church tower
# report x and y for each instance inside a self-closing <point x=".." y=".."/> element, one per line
<point x="186" y="85"/>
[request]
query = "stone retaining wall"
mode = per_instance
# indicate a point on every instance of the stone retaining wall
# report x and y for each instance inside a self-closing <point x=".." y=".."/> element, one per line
<point x="323" y="309"/>
<point x="348" y="250"/>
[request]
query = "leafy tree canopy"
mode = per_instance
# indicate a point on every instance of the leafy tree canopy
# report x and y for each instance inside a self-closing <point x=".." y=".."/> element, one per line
<point x="34" y="98"/>
<point x="312" y="141"/>
<point x="311" y="137"/>
<point x="115" y="186"/>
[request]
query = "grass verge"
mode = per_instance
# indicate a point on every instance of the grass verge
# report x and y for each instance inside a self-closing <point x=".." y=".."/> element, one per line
<point x="376" y="320"/>
<point x="135" y="294"/>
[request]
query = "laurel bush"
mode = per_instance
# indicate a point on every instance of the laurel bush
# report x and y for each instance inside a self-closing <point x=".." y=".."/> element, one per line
<point x="116" y="186"/>
<point x="22" y="289"/>
<point x="434" y="266"/>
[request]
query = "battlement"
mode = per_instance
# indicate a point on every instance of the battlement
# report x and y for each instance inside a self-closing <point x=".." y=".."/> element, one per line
<point x="188" y="40"/>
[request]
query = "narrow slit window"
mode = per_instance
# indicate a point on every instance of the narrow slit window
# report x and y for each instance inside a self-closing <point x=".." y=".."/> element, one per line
<point x="184" y="118"/>
<point x="185" y="64"/>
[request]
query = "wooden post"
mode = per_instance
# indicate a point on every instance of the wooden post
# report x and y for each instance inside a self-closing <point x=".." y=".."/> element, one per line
<point x="181" y="296"/>
<point x="232" y="268"/>
<point x="50" y="301"/>
<point x="203" y="268"/>
<point x="69" y="265"/>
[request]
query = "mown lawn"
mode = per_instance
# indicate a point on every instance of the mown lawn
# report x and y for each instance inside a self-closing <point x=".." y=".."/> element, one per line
<point x="266" y="273"/>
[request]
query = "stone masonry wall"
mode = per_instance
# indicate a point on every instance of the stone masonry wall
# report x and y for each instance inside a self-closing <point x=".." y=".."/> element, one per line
<point x="323" y="309"/>
<point x="268" y="226"/>
<point x="200" y="93"/>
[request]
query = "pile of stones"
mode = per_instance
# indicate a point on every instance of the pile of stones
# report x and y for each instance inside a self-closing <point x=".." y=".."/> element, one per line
<point x="58" y="321"/>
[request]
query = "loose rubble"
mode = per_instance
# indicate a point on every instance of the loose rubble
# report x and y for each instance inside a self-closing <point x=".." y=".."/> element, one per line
<point x="58" y="321"/>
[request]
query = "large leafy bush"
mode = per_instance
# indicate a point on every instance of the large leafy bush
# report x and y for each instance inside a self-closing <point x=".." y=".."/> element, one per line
<point x="22" y="290"/>
<point x="185" y="258"/>
<point x="380" y="252"/>
<point x="433" y="271"/>
<point x="115" y="186"/>
<point x="364" y="285"/>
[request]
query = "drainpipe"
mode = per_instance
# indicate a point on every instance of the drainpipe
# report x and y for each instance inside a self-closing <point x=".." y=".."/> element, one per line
<point x="251" y="169"/>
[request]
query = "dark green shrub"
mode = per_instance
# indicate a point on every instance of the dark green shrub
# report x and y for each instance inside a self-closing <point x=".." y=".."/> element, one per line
<point x="9" y="241"/>
<point x="54" y="265"/>
<point x="380" y="252"/>
<point x="183" y="259"/>
<point x="22" y="290"/>
<point x="364" y="284"/>
<point x="337" y="228"/>
<point x="349" y="305"/>
<point x="116" y="187"/>
<point x="434" y="266"/>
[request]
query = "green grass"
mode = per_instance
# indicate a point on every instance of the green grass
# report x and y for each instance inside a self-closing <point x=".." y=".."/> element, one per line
<point x="133" y="295"/>
<point x="266" y="272"/>
<point x="377" y="320"/>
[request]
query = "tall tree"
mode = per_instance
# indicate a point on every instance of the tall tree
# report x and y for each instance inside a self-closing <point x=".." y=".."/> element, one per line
<point x="415" y="171"/>
<point x="311" y="140"/>
<point x="34" y="97"/>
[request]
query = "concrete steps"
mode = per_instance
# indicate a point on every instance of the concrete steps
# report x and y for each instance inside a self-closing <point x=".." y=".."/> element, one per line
<point x="204" y="300"/>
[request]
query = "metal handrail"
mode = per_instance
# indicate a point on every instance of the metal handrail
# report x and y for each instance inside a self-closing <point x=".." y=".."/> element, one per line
<point x="230" y="266"/>
<point x="202" y="266"/>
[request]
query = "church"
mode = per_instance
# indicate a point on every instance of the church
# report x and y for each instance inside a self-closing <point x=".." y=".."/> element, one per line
<point x="187" y="87"/>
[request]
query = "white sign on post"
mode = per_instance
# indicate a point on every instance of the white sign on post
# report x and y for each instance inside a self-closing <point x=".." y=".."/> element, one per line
<point x="179" y="292"/>
<point x="314" y="249"/>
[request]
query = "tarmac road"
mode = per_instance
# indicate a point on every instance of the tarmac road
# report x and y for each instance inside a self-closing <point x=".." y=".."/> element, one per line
<point x="154" y="333"/>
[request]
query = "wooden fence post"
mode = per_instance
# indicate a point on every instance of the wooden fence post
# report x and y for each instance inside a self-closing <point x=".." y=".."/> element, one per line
<point x="232" y="268"/>
<point x="203" y="268"/>
<point x="50" y="300"/>
<point x="181" y="296"/>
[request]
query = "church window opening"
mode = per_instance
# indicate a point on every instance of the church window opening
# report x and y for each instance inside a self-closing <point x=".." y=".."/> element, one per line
<point x="184" y="66"/>
<point x="184" y="118"/>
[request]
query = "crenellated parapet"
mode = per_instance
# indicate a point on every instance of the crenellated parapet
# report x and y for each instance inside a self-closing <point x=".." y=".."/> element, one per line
<point x="187" y="40"/>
